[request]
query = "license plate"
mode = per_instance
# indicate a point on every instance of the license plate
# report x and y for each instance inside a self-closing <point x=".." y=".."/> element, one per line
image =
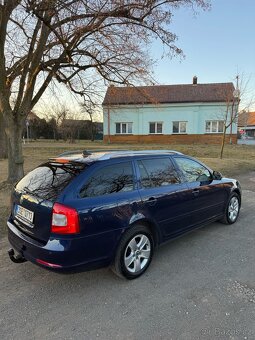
<point x="24" y="214"/>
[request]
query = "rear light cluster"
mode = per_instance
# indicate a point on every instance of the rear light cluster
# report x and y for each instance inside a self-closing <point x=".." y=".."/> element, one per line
<point x="65" y="220"/>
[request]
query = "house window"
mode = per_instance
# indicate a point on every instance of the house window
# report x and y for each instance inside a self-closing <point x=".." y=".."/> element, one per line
<point x="156" y="127"/>
<point x="214" y="126"/>
<point x="179" y="127"/>
<point x="124" y="128"/>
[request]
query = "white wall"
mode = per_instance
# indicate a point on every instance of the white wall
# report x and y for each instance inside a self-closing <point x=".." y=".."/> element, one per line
<point x="194" y="114"/>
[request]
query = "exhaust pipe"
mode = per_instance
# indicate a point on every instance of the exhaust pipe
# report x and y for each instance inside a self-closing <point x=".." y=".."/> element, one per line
<point x="18" y="258"/>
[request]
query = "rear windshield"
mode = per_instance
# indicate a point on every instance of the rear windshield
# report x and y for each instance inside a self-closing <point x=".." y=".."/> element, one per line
<point x="48" y="180"/>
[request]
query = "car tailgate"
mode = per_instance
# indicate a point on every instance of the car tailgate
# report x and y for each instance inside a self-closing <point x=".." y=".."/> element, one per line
<point x="32" y="215"/>
<point x="34" y="196"/>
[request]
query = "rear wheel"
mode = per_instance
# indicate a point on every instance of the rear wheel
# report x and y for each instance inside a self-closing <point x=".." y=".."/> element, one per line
<point x="232" y="210"/>
<point x="134" y="252"/>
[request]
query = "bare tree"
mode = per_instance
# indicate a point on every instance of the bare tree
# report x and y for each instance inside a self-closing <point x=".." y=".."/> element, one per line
<point x="91" y="110"/>
<point x="69" y="126"/>
<point x="56" y="114"/>
<point x="43" y="42"/>
<point x="231" y="114"/>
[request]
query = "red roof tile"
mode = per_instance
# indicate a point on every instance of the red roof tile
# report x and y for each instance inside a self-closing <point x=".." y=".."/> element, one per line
<point x="162" y="94"/>
<point x="246" y="118"/>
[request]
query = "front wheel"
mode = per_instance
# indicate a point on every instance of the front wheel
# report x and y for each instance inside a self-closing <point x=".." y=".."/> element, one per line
<point x="232" y="210"/>
<point x="134" y="253"/>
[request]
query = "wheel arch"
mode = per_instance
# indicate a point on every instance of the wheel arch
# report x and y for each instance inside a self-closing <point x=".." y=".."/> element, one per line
<point x="238" y="192"/>
<point x="152" y="228"/>
<point x="135" y="229"/>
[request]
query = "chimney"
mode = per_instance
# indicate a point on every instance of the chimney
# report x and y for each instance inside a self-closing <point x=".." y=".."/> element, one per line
<point x="195" y="80"/>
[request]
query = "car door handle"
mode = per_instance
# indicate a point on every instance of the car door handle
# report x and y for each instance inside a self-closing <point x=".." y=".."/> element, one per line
<point x="152" y="201"/>
<point x="195" y="192"/>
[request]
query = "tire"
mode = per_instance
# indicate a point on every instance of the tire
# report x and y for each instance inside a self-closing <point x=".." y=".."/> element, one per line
<point x="232" y="209"/>
<point x="134" y="253"/>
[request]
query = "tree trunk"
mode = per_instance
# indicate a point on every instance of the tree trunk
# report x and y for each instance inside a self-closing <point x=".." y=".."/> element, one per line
<point x="92" y="130"/>
<point x="14" y="131"/>
<point x="223" y="142"/>
<point x="3" y="140"/>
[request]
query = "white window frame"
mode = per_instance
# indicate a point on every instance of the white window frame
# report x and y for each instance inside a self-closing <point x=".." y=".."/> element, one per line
<point x="179" y="124"/>
<point x="156" y="128"/>
<point x="127" y="124"/>
<point x="211" y="126"/>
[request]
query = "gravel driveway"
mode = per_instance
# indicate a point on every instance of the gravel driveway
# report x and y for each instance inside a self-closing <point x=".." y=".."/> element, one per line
<point x="200" y="286"/>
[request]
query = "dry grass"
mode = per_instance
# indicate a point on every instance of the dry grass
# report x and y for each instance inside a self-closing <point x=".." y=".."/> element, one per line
<point x="238" y="159"/>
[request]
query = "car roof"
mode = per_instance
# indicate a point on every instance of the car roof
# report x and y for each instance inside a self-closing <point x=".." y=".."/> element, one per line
<point x="102" y="155"/>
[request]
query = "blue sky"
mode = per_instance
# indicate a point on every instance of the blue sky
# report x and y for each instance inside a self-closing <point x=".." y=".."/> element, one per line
<point x="217" y="44"/>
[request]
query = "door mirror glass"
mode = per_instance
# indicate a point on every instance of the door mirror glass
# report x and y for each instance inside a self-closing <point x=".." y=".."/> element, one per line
<point x="217" y="175"/>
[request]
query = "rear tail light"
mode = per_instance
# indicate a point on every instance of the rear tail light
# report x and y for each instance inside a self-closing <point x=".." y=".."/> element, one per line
<point x="65" y="220"/>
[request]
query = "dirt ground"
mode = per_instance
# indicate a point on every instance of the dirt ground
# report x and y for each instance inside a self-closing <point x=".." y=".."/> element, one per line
<point x="199" y="286"/>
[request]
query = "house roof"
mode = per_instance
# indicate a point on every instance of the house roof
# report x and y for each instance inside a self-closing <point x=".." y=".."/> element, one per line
<point x="163" y="94"/>
<point x="246" y="118"/>
<point x="32" y="117"/>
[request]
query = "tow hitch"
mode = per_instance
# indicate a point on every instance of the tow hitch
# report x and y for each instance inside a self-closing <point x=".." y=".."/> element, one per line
<point x="18" y="258"/>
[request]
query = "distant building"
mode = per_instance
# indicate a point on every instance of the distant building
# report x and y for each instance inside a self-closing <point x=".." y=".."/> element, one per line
<point x="34" y="126"/>
<point x="32" y="117"/>
<point x="246" y="124"/>
<point x="189" y="113"/>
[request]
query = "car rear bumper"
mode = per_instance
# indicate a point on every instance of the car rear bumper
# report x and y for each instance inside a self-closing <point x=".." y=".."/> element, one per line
<point x="64" y="253"/>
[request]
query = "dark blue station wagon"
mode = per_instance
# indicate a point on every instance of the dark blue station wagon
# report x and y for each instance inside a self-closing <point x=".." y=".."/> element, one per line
<point x="96" y="209"/>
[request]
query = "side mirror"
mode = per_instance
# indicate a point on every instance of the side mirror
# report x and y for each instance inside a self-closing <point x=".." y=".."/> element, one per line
<point x="217" y="175"/>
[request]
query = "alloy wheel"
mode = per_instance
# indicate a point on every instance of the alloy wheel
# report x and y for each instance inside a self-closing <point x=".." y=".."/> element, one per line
<point x="233" y="209"/>
<point x="137" y="253"/>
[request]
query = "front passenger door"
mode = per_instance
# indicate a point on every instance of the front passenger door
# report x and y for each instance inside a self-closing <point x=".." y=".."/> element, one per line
<point x="207" y="196"/>
<point x="163" y="196"/>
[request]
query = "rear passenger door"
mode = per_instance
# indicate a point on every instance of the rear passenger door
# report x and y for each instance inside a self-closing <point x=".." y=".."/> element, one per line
<point x="106" y="198"/>
<point x="163" y="195"/>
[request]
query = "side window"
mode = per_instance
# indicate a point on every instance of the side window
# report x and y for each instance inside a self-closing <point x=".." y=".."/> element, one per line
<point x="193" y="171"/>
<point x="109" y="180"/>
<point x="157" y="172"/>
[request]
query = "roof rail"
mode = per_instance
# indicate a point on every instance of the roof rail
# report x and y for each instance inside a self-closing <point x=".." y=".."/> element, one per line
<point x="87" y="153"/>
<point x="120" y="153"/>
<point x="103" y="154"/>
